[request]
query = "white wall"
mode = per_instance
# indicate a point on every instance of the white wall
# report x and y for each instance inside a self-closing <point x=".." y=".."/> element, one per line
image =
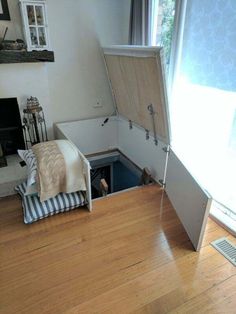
<point x="144" y="153"/>
<point x="23" y="80"/>
<point x="91" y="137"/>
<point x="115" y="13"/>
<point x="69" y="88"/>
<point x="14" y="26"/>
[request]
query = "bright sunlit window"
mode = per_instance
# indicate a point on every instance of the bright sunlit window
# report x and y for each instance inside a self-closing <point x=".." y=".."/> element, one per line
<point x="203" y="108"/>
<point x="203" y="128"/>
<point x="202" y="89"/>
<point x="163" y="24"/>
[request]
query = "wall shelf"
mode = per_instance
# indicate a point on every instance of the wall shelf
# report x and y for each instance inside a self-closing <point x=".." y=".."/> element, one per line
<point x="11" y="56"/>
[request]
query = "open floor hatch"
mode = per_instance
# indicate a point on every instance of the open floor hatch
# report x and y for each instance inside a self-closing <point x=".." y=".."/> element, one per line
<point x="138" y="84"/>
<point x="141" y="131"/>
<point x="117" y="172"/>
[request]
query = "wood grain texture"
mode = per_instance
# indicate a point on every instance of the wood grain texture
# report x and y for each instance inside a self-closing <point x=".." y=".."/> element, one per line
<point x="130" y="255"/>
<point x="26" y="56"/>
<point x="138" y="82"/>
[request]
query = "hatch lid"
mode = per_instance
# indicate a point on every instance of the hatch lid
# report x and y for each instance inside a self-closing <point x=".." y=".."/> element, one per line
<point x="137" y="78"/>
<point x="191" y="202"/>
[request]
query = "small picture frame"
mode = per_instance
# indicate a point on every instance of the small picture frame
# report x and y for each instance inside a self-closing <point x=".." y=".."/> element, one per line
<point x="4" y="11"/>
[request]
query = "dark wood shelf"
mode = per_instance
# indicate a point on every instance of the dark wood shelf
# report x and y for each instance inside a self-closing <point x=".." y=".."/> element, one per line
<point x="11" y="56"/>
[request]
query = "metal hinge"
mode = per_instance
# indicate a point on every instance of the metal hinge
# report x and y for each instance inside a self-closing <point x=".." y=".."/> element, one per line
<point x="130" y="125"/>
<point x="152" y="113"/>
<point x="162" y="183"/>
<point x="166" y="149"/>
<point x="156" y="141"/>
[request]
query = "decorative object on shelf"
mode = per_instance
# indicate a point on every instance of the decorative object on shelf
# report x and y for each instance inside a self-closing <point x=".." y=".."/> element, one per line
<point x="3" y="38"/>
<point x="4" y="11"/>
<point x="17" y="44"/>
<point x="35" y="23"/>
<point x="34" y="125"/>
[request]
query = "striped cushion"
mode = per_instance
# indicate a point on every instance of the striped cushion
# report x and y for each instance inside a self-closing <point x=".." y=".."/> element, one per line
<point x="34" y="210"/>
<point x="30" y="160"/>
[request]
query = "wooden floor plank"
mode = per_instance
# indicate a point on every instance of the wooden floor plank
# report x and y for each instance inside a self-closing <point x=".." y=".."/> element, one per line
<point x="131" y="254"/>
<point x="218" y="299"/>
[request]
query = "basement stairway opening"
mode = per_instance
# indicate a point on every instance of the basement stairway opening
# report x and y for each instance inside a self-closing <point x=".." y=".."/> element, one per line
<point x="112" y="172"/>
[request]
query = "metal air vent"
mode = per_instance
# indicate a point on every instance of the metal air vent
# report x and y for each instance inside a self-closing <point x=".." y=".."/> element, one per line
<point x="226" y="248"/>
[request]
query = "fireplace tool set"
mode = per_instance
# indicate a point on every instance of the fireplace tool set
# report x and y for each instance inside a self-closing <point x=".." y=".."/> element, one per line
<point x="34" y="125"/>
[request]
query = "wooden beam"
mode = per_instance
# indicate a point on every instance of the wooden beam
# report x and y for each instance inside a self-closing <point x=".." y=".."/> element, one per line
<point x="26" y="56"/>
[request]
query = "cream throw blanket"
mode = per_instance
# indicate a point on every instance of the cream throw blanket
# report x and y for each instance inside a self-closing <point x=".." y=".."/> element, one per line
<point x="60" y="168"/>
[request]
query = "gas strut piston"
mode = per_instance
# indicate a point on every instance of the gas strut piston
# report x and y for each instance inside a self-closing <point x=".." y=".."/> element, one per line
<point x="152" y="113"/>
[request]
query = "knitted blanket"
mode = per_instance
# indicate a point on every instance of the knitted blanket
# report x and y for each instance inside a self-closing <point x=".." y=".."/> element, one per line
<point x="60" y="168"/>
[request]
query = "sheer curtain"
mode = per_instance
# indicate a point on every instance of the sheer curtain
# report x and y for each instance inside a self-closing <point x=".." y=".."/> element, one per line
<point x="202" y="70"/>
<point x="141" y="21"/>
<point x="203" y="107"/>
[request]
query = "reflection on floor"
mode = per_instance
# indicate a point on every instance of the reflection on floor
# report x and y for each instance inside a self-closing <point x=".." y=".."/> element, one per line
<point x="130" y="254"/>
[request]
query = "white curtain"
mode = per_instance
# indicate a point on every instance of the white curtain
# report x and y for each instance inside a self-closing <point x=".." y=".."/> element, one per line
<point x="141" y="20"/>
<point x="203" y="110"/>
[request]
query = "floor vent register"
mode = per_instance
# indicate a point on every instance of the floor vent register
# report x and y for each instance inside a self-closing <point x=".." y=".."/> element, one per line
<point x="226" y="248"/>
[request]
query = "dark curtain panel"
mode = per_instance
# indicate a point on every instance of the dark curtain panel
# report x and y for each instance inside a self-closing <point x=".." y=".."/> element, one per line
<point x="140" y="28"/>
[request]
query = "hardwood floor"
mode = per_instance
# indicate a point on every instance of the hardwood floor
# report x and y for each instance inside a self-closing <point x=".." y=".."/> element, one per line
<point x="130" y="255"/>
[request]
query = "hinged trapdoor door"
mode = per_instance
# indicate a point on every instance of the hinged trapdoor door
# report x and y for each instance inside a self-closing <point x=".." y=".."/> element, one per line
<point x="137" y="80"/>
<point x="191" y="202"/>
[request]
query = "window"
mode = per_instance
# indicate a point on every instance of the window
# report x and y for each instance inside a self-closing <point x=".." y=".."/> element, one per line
<point x="203" y="105"/>
<point x="163" y="26"/>
<point x="201" y="81"/>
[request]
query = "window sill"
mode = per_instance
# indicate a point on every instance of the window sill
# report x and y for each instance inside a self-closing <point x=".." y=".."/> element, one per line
<point x="222" y="219"/>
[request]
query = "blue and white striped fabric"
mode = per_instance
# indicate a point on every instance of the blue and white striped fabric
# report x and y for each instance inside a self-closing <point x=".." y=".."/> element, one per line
<point x="34" y="210"/>
<point x="30" y="160"/>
